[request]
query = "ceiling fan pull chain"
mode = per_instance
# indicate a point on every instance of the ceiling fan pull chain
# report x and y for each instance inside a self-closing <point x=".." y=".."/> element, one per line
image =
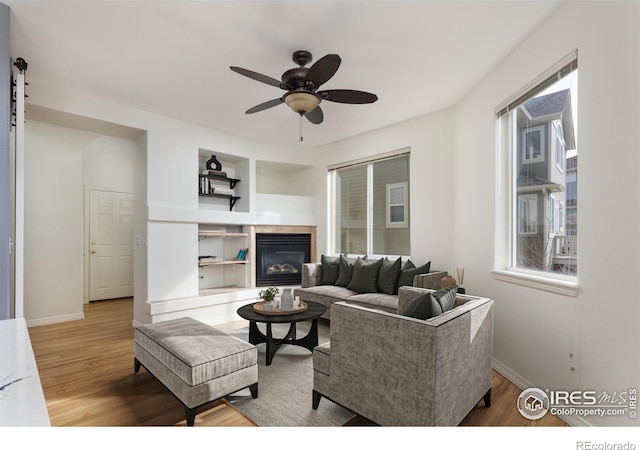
<point x="300" y="128"/>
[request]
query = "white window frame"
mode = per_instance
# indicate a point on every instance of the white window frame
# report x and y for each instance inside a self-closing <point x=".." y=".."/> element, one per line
<point x="526" y="158"/>
<point x="558" y="144"/>
<point x="404" y="223"/>
<point x="528" y="214"/>
<point x="505" y="269"/>
<point x="556" y="213"/>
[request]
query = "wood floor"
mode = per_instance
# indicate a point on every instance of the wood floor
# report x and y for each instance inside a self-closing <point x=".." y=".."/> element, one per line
<point x="86" y="370"/>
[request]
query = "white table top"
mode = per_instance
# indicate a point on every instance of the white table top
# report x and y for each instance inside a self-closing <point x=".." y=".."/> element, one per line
<point x="21" y="398"/>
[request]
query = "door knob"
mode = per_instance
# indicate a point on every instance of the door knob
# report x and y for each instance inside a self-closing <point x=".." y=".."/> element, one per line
<point x="93" y="251"/>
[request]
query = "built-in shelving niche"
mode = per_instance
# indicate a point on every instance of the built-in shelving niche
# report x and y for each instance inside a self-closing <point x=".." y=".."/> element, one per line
<point x="236" y="178"/>
<point x="222" y="265"/>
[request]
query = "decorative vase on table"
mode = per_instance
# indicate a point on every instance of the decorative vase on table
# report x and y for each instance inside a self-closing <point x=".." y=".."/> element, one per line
<point x="286" y="301"/>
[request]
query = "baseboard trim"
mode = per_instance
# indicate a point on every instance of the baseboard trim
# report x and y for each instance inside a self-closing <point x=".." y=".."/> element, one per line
<point x="523" y="383"/>
<point x="55" y="319"/>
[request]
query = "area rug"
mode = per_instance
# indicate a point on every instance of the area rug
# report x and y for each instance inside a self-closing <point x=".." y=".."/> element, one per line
<point x="285" y="386"/>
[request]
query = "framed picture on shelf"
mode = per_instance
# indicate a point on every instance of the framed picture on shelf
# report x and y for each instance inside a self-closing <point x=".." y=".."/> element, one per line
<point x="242" y="254"/>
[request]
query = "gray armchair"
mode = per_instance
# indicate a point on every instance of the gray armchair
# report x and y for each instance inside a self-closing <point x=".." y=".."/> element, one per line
<point x="396" y="370"/>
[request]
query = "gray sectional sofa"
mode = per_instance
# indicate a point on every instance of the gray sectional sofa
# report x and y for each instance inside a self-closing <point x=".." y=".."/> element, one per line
<point x="372" y="283"/>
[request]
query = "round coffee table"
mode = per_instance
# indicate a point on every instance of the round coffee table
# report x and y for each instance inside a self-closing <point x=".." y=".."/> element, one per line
<point x="313" y="311"/>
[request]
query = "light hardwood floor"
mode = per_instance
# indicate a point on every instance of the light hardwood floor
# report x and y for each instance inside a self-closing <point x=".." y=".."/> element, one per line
<point x="86" y="370"/>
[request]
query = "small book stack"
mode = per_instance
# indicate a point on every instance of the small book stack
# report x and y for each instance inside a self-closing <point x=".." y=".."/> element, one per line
<point x="222" y="191"/>
<point x="207" y="258"/>
<point x="205" y="186"/>
<point x="219" y="173"/>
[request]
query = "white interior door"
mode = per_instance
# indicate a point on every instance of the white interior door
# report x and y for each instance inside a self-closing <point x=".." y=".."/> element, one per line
<point x="110" y="245"/>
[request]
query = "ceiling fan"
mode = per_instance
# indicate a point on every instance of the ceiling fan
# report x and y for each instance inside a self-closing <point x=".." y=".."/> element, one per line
<point x="302" y="83"/>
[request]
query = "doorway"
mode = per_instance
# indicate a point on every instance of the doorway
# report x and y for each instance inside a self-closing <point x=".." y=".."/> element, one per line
<point x="110" y="244"/>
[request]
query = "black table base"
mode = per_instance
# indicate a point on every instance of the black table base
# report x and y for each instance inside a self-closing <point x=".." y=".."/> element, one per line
<point x="273" y="344"/>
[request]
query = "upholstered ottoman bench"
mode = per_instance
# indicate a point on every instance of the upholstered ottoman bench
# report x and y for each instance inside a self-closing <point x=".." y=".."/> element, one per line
<point x="196" y="362"/>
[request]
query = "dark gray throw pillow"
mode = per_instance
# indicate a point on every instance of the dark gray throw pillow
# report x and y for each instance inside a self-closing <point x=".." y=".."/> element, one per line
<point x="330" y="267"/>
<point x="388" y="275"/>
<point x="365" y="276"/>
<point x="409" y="271"/>
<point x="446" y="297"/>
<point x="422" y="307"/>
<point x="345" y="271"/>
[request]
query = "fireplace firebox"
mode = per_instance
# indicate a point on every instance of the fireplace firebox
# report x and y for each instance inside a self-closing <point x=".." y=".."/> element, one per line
<point x="279" y="258"/>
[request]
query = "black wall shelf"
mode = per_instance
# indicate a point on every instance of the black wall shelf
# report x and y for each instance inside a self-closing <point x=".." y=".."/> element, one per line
<point x="232" y="184"/>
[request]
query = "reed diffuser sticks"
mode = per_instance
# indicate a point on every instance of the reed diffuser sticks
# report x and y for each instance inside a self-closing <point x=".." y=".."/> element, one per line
<point x="460" y="272"/>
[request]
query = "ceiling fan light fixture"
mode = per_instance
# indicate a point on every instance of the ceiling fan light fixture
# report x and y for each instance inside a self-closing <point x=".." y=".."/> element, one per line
<point x="301" y="102"/>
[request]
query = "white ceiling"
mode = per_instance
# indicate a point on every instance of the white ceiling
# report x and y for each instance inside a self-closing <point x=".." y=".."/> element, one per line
<point x="173" y="57"/>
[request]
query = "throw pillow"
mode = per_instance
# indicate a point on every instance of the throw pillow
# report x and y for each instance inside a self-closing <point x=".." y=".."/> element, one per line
<point x="422" y="307"/>
<point x="388" y="276"/>
<point x="345" y="271"/>
<point x="445" y="297"/>
<point x="409" y="271"/>
<point x="365" y="276"/>
<point x="329" y="272"/>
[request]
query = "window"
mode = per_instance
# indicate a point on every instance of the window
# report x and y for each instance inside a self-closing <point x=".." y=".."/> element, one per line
<point x="370" y="206"/>
<point x="397" y="207"/>
<point x="538" y="151"/>
<point x="533" y="147"/>
<point x="528" y="214"/>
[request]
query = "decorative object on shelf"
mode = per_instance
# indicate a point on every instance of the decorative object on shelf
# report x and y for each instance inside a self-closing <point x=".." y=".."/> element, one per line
<point x="448" y="281"/>
<point x="286" y="300"/>
<point x="242" y="254"/>
<point x="213" y="161"/>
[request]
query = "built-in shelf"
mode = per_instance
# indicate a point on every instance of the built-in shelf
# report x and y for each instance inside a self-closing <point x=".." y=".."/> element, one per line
<point x="225" y="267"/>
<point x="220" y="262"/>
<point x="206" y="190"/>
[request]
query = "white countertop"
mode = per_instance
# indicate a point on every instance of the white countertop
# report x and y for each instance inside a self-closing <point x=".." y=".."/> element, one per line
<point x="21" y="398"/>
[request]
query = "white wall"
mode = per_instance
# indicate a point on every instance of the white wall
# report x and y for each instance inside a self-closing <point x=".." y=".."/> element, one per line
<point x="53" y="223"/>
<point x="537" y="332"/>
<point x="59" y="163"/>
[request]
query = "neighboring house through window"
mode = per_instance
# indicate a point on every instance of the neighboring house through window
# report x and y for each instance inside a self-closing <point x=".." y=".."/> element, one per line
<point x="370" y="206"/>
<point x="537" y="138"/>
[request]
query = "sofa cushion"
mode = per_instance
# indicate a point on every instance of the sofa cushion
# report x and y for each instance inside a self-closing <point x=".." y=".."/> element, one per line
<point x="431" y="304"/>
<point x="330" y="267"/>
<point x="365" y="276"/>
<point x="376" y="300"/>
<point x="345" y="271"/>
<point x="388" y="276"/>
<point x="423" y="307"/>
<point x="446" y="297"/>
<point x="409" y="271"/>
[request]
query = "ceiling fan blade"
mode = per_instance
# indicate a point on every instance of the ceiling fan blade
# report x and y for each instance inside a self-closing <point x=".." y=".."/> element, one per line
<point x="348" y="96"/>
<point x="315" y="115"/>
<point x="323" y="69"/>
<point x="259" y="77"/>
<point x="265" y="105"/>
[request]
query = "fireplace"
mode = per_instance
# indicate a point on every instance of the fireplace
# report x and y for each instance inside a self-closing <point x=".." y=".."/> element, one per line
<point x="279" y="258"/>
